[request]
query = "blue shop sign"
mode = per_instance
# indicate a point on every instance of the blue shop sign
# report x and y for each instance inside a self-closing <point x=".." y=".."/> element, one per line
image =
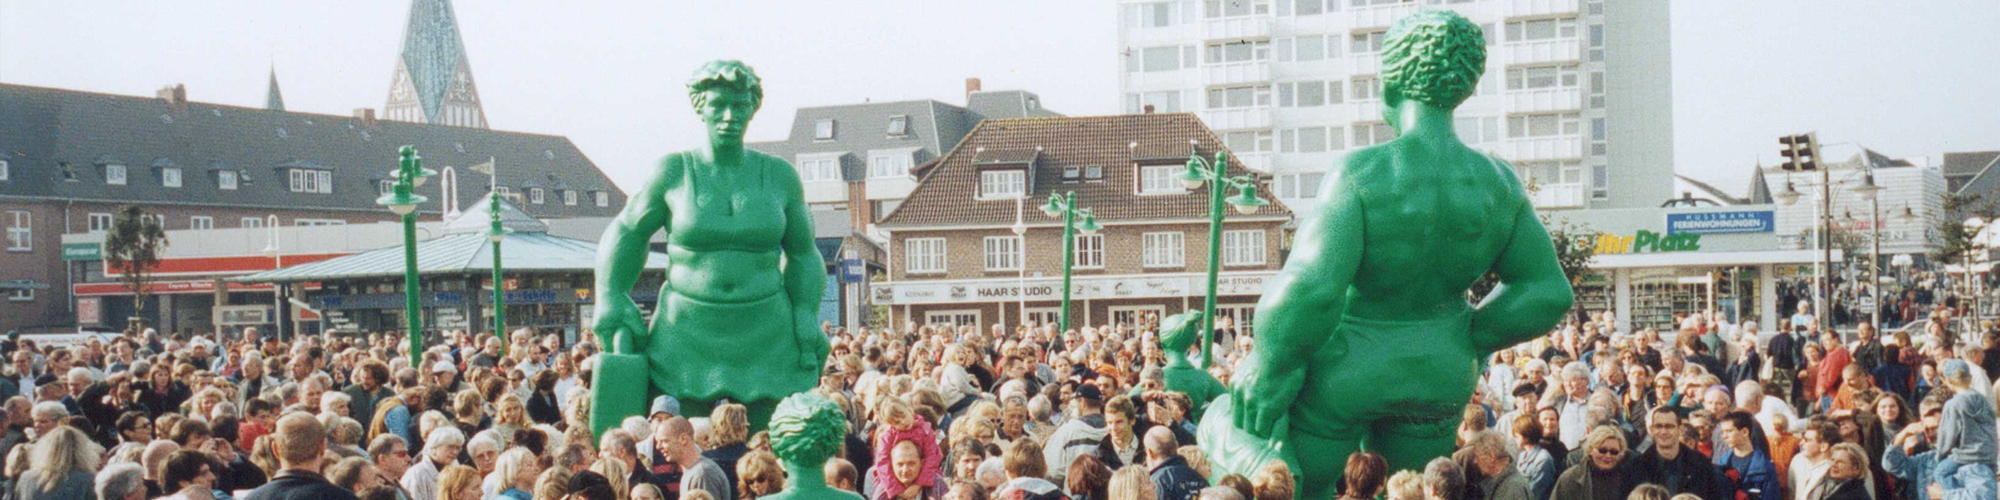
<point x="1746" y="221"/>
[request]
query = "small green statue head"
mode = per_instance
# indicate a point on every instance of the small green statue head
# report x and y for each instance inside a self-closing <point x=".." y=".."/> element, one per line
<point x="725" y="94"/>
<point x="1177" y="332"/>
<point x="1433" y="56"/>
<point x="807" y="429"/>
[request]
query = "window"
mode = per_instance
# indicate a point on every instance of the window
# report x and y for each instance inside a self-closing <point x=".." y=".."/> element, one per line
<point x="1002" y="184"/>
<point x="3" y="170"/>
<point x="602" y="198"/>
<point x="569" y="197"/>
<point x="1003" y="253"/>
<point x="823" y="130"/>
<point x="250" y="222"/>
<point x="819" y="169"/>
<point x="887" y="165"/>
<point x="311" y="181"/>
<point x="1299" y="186"/>
<point x="1161" y="179"/>
<point x="1089" y="252"/>
<point x="1151" y="59"/>
<point x="1367" y="42"/>
<point x="1597" y="129"/>
<point x="1234" y="52"/>
<point x="318" y="222"/>
<point x="201" y="222"/>
<point x="1475" y="129"/>
<point x="68" y="172"/>
<point x="1163" y="250"/>
<point x="1093" y="172"/>
<point x="1541" y="77"/>
<point x="1544" y="125"/>
<point x="1239" y="97"/>
<point x="20" y="231"/>
<point x="1541" y="29"/>
<point x="924" y="255"/>
<point x="535" y="195"/>
<point x="1168" y="101"/>
<point x="170" y="177"/>
<point x="21" y="294"/>
<point x="1367" y="88"/>
<point x="386" y="187"/>
<point x="1248" y="141"/>
<point x="1311" y="140"/>
<point x="1218" y="9"/>
<point x="1149" y="15"/>
<point x="953" y="318"/>
<point x="1600" y="182"/>
<point x="1307" y="7"/>
<point x="114" y="175"/>
<point x="100" y="222"/>
<point x="1596" y="35"/>
<point x="1243" y="247"/>
<point x="225" y="179"/>
<point x="899" y="125"/>
<point x="1372" y="134"/>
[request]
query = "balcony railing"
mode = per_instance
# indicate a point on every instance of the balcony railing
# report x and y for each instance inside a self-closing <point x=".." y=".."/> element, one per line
<point x="1556" y="99"/>
<point x="1235" y="73"/>
<point x="1237" y="28"/>
<point x="1239" y="118"/>
<point x="1541" y="148"/>
<point x="1260" y="162"/>
<point x="1570" y="195"/>
<point x="1525" y="8"/>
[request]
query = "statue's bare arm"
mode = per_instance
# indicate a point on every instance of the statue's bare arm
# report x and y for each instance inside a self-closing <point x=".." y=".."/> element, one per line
<point x="1533" y="293"/>
<point x="1304" y="303"/>
<point x="804" y="270"/>
<point x="621" y="256"/>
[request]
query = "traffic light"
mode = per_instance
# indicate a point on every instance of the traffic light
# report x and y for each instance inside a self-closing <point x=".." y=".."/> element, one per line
<point x="1801" y="152"/>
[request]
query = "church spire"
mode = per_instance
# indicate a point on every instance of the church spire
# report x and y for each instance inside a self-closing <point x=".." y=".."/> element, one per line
<point x="273" y="100"/>
<point x="433" y="81"/>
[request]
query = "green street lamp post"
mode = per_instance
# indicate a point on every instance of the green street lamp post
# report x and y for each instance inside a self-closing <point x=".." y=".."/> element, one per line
<point x="1064" y="205"/>
<point x="494" y="234"/>
<point x="409" y="174"/>
<point x="1245" y="201"/>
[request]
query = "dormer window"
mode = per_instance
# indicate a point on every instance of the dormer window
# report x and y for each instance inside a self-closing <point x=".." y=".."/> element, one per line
<point x="1161" y="179"/>
<point x="602" y="198"/>
<point x="569" y="197"/>
<point x="823" y="130"/>
<point x="114" y="175"/>
<point x="310" y="181"/>
<point x="225" y="179"/>
<point x="890" y="164"/>
<point x="535" y="196"/>
<point x="386" y="187"/>
<point x="3" y="170"/>
<point x="999" y="184"/>
<point x="170" y="177"/>
<point x="899" y="125"/>
<point x="68" y="172"/>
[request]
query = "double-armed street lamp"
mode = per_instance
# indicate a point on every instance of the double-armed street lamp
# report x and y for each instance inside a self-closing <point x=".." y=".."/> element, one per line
<point x="1064" y="205"/>
<point x="410" y="174"/>
<point x="1245" y="201"/>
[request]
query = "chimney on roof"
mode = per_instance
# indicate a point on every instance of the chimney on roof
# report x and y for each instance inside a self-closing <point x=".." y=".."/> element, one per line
<point x="971" y="85"/>
<point x="1148" y="109"/>
<point x="366" y="115"/>
<point x="176" y="95"/>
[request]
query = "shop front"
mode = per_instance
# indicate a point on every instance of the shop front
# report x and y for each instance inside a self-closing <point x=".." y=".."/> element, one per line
<point x="1654" y="265"/>
<point x="1094" y="301"/>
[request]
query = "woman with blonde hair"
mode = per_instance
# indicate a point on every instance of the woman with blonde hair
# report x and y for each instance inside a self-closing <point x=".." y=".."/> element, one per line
<point x="517" y="470"/>
<point x="1131" y="483"/>
<point x="617" y="474"/>
<point x="458" y="482"/>
<point x="728" y="428"/>
<point x="509" y="414"/>
<point x="1274" y="480"/>
<point x="64" y="467"/>
<point x="760" y="475"/>
<point x="469" y="408"/>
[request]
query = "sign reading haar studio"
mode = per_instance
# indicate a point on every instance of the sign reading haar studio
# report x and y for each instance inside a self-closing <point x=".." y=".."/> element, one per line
<point x="1122" y="287"/>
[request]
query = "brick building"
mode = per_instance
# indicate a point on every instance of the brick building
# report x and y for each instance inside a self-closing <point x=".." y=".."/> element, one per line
<point x="956" y="258"/>
<point x="70" y="159"/>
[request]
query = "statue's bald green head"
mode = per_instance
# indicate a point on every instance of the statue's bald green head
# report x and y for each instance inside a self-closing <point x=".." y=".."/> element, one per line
<point x="1434" y="57"/>
<point x="807" y="428"/>
<point x="727" y="75"/>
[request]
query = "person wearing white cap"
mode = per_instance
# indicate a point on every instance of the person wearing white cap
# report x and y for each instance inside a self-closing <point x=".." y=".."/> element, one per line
<point x="444" y="376"/>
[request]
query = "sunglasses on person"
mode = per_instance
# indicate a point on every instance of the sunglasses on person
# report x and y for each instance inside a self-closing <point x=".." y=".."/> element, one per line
<point x="1610" y="452"/>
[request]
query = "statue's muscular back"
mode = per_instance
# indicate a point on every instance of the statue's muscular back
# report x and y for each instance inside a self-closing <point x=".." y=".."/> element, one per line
<point x="1437" y="215"/>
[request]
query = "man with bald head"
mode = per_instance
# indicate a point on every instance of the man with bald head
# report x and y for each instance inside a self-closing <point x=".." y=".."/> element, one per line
<point x="1172" y="477"/>
<point x="301" y="442"/>
<point x="699" y="472"/>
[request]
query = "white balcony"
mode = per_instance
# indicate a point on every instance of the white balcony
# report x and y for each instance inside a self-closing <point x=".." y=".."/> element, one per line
<point x="1237" y="28"/>
<point x="1380" y="16"/>
<point x="1235" y="73"/>
<point x="1541" y="148"/>
<point x="1260" y="162"/>
<point x="1569" y="195"/>
<point x="1530" y="8"/>
<point x="1558" y="99"/>
<point x="1237" y="119"/>
<point x="1364" y="64"/>
<point x="1564" y="50"/>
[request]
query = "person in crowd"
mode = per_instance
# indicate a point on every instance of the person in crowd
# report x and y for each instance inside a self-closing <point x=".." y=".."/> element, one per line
<point x="1605" y="475"/>
<point x="300" y="444"/>
<point x="441" y="450"/>
<point x="1966" y="435"/>
<point x="64" y="466"/>
<point x="1172" y="476"/>
<point x="1080" y="434"/>
<point x="1499" y="480"/>
<point x="1025" y="468"/>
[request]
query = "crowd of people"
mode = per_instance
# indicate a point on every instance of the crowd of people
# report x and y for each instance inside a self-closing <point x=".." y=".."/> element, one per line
<point x="1716" y="410"/>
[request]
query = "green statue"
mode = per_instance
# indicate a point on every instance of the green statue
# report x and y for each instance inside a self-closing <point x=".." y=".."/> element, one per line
<point x="806" y="430"/>
<point x="1366" y="339"/>
<point x="738" y="316"/>
<point x="1177" y="332"/>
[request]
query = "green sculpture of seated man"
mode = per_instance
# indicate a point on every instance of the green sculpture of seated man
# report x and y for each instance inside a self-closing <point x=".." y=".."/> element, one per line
<point x="1366" y="339"/>
<point x="1177" y="332"/>
<point x="806" y="430"/>
<point x="738" y="316"/>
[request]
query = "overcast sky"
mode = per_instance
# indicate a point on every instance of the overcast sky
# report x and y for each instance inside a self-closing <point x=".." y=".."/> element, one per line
<point x="1910" y="79"/>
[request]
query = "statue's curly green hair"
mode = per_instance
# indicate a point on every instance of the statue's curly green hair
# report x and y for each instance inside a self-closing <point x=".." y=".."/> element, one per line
<point x="1433" y="56"/>
<point x="727" y="74"/>
<point x="807" y="428"/>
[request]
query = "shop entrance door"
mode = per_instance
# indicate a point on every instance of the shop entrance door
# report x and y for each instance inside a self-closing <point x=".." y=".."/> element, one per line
<point x="955" y="318"/>
<point x="1136" y="316"/>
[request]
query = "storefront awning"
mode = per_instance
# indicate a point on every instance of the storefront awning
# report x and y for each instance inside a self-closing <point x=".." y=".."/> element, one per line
<point x="1737" y="258"/>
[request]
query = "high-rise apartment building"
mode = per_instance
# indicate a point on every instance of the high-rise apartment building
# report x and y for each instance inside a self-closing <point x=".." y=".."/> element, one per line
<point x="1577" y="93"/>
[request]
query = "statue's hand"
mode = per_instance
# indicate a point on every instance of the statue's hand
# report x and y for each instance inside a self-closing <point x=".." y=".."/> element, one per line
<point x="619" y="326"/>
<point x="813" y="345"/>
<point x="1264" y="397"/>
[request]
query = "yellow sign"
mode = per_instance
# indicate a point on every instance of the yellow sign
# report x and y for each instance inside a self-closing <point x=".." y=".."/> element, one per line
<point x="1648" y="242"/>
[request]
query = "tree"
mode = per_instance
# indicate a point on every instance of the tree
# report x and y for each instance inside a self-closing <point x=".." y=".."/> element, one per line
<point x="1953" y="238"/>
<point x="133" y="248"/>
<point x="1575" y="244"/>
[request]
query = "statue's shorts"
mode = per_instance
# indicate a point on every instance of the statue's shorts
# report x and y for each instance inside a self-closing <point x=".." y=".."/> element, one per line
<point x="1374" y="377"/>
<point x="745" y="351"/>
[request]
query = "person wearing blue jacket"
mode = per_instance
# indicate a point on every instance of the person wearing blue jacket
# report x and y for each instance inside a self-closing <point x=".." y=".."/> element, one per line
<point x="1756" y="478"/>
<point x="1967" y="443"/>
<point x="1910" y="456"/>
<point x="1172" y="477"/>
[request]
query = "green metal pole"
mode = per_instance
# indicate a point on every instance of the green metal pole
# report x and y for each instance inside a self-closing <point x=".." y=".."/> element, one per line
<point x="1214" y="252"/>
<point x="410" y="283"/>
<point x="1069" y="258"/>
<point x="498" y="232"/>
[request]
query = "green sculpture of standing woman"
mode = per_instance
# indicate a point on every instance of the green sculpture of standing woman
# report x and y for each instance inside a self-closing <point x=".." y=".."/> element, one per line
<point x="738" y="316"/>
<point x="1366" y="339"/>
